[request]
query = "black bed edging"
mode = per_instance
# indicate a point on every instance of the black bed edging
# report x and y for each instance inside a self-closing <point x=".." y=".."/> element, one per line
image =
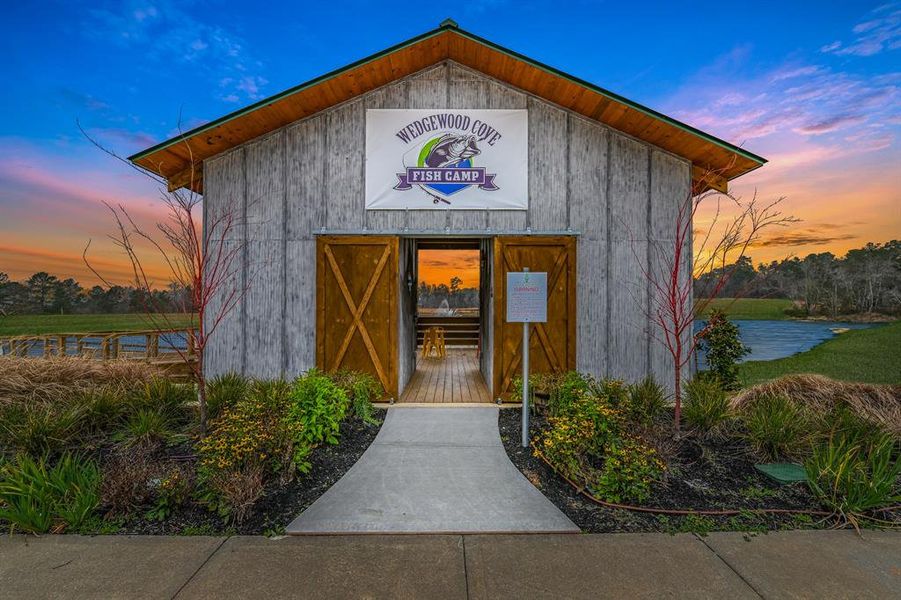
<point x="734" y="472"/>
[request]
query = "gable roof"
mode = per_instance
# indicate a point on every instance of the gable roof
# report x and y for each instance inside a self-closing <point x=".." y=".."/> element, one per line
<point x="179" y="160"/>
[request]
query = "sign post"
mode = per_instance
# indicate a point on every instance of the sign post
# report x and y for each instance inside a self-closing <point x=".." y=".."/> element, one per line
<point x="526" y="303"/>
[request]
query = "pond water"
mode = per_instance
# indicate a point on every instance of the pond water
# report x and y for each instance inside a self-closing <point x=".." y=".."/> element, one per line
<point x="769" y="340"/>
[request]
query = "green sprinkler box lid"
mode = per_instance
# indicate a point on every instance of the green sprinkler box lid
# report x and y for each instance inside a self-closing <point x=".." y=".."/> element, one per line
<point x="783" y="472"/>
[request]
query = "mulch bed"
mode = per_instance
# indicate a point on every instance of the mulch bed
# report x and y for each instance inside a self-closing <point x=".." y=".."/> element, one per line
<point x="708" y="476"/>
<point x="280" y="503"/>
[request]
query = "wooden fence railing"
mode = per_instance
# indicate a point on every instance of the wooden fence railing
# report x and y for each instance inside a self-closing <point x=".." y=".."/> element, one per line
<point x="104" y="345"/>
<point x="158" y="347"/>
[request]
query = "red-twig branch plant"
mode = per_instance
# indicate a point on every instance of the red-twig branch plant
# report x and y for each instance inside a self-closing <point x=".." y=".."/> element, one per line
<point x="201" y="258"/>
<point x="712" y="251"/>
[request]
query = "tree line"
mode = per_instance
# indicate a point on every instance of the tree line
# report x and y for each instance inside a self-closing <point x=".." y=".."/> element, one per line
<point x="431" y="295"/>
<point x="864" y="280"/>
<point x="43" y="293"/>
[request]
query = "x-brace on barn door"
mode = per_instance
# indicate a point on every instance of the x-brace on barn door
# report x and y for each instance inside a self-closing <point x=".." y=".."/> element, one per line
<point x="356" y="306"/>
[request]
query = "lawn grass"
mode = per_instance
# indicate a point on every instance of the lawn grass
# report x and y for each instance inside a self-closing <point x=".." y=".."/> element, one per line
<point x="752" y="308"/>
<point x="864" y="355"/>
<point x="48" y="324"/>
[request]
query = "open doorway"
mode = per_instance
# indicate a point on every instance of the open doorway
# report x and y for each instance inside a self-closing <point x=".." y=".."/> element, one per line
<point x="448" y="297"/>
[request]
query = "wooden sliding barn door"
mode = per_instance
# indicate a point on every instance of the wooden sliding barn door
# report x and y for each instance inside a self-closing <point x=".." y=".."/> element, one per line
<point x="552" y="347"/>
<point x="356" y="306"/>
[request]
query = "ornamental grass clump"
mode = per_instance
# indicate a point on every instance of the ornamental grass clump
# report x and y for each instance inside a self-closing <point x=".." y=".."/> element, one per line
<point x="706" y="407"/>
<point x="855" y="472"/>
<point x="646" y="401"/>
<point x="777" y="428"/>
<point x="225" y="391"/>
<point x="879" y="405"/>
<point x="50" y="379"/>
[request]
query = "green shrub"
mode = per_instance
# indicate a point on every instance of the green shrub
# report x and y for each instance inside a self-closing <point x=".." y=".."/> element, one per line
<point x="255" y="431"/>
<point x="705" y="406"/>
<point x="853" y="474"/>
<point x="172" y="491"/>
<point x="614" y="391"/>
<point x="38" y="499"/>
<point x="248" y="443"/>
<point x="362" y="389"/>
<point x="224" y="392"/>
<point x="566" y="394"/>
<point x="317" y="407"/>
<point x="587" y="441"/>
<point x="646" y="401"/>
<point x="722" y="346"/>
<point x="630" y="467"/>
<point x="776" y="427"/>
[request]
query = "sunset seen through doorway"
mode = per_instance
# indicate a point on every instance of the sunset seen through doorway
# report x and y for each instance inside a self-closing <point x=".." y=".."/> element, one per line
<point x="439" y="266"/>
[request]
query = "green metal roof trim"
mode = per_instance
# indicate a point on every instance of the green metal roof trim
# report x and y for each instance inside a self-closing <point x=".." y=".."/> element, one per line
<point x="450" y="25"/>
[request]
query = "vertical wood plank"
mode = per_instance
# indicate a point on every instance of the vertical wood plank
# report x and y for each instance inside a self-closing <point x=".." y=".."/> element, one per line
<point x="587" y="177"/>
<point x="591" y="313"/>
<point x="547" y="166"/>
<point x="300" y="310"/>
<point x="305" y="178"/>
<point x="224" y="194"/>
<point x="670" y="185"/>
<point x="502" y="96"/>
<point x="627" y="353"/>
<point x="264" y="303"/>
<point x="265" y="188"/>
<point x="628" y="189"/>
<point x="343" y="190"/>
<point x="224" y="182"/>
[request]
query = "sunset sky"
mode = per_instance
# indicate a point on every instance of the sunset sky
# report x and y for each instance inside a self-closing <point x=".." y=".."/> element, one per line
<point x="812" y="86"/>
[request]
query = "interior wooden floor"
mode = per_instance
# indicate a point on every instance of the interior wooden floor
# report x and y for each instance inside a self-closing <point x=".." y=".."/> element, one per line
<point x="455" y="378"/>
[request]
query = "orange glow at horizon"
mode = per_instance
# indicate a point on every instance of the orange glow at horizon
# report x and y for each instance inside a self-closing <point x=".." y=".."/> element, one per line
<point x="439" y="266"/>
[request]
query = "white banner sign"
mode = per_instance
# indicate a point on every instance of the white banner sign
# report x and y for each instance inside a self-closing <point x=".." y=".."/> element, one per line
<point x="447" y="158"/>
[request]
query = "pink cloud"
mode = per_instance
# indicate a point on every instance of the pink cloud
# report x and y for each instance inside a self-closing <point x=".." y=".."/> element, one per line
<point x="830" y="124"/>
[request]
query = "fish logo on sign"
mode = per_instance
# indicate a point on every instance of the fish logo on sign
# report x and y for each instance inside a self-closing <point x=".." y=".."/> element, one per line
<point x="445" y="165"/>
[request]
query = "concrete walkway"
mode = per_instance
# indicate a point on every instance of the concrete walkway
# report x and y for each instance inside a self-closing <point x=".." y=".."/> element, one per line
<point x="434" y="470"/>
<point x="800" y="564"/>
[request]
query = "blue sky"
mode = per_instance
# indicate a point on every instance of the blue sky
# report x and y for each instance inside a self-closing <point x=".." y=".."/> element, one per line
<point x="813" y="87"/>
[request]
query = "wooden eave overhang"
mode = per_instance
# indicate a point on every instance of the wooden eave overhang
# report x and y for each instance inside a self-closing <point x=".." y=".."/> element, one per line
<point x="179" y="160"/>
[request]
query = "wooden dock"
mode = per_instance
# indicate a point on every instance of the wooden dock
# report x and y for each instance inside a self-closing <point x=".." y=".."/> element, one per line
<point x="453" y="379"/>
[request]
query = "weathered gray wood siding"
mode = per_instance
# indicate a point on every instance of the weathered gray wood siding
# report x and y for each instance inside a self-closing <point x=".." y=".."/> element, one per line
<point x="617" y="193"/>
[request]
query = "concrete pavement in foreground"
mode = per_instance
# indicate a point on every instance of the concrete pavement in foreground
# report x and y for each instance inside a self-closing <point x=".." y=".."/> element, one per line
<point x="797" y="564"/>
<point x="434" y="470"/>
